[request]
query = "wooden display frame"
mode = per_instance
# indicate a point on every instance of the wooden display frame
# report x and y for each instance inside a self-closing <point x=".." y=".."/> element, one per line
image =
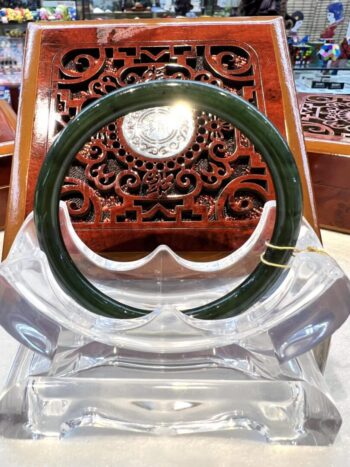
<point x="264" y="36"/>
<point x="326" y="123"/>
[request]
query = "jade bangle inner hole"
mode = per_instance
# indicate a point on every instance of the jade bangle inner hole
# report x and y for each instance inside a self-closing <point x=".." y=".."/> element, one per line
<point x="139" y="157"/>
<point x="146" y="95"/>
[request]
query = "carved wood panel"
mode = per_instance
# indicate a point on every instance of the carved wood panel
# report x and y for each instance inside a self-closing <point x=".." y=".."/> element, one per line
<point x="326" y="116"/>
<point x="326" y="124"/>
<point x="206" y="196"/>
<point x="215" y="179"/>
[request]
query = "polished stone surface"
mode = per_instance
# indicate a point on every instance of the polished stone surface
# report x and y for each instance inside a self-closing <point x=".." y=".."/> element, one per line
<point x="127" y="450"/>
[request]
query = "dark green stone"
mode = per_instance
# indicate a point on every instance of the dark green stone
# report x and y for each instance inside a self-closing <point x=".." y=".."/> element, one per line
<point x="225" y="105"/>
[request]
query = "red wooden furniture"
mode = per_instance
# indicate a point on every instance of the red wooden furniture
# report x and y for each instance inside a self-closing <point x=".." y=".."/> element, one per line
<point x="7" y="137"/>
<point x="206" y="197"/>
<point x="326" y="124"/>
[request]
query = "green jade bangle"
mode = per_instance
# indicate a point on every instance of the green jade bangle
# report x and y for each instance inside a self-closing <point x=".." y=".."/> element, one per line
<point x="244" y="116"/>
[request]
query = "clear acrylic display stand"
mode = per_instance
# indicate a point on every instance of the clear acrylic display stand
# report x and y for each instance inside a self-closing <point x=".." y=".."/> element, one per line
<point x="167" y="373"/>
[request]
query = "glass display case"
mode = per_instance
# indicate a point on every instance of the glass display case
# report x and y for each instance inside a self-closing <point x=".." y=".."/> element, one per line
<point x="11" y="57"/>
<point x="314" y="77"/>
<point x="96" y="9"/>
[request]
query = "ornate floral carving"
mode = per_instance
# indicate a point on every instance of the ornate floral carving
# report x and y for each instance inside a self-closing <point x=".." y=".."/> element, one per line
<point x="325" y="115"/>
<point x="210" y="175"/>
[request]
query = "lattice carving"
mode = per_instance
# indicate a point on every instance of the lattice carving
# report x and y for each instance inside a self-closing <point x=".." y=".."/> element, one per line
<point x="217" y="179"/>
<point x="326" y="116"/>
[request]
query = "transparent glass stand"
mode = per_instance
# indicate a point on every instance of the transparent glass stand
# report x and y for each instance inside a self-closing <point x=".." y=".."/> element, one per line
<point x="227" y="390"/>
<point x="167" y="373"/>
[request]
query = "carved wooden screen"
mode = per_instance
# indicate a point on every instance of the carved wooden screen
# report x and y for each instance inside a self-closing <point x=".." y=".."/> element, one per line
<point x="210" y="193"/>
<point x="217" y="179"/>
<point x="326" y="117"/>
<point x="326" y="124"/>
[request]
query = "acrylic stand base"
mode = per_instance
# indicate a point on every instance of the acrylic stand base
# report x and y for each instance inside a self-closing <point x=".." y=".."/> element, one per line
<point x="224" y="391"/>
<point x="252" y="376"/>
